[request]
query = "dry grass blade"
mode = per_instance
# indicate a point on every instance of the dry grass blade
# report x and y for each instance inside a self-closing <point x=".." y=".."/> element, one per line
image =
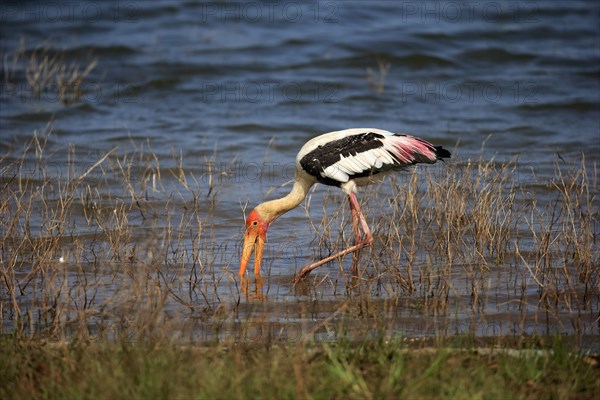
<point x="123" y="248"/>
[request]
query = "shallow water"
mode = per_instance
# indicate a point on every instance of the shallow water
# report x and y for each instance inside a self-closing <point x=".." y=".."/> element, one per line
<point x="244" y="85"/>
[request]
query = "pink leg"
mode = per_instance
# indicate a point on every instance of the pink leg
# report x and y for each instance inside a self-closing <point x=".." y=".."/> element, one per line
<point x="357" y="235"/>
<point x="357" y="239"/>
<point x="357" y="217"/>
<point x="355" y="222"/>
<point x="356" y="207"/>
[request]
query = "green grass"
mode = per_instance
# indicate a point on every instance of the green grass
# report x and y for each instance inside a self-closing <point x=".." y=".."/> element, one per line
<point x="368" y="370"/>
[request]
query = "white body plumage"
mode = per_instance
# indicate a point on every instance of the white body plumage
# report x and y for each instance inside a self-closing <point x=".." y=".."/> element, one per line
<point x="359" y="156"/>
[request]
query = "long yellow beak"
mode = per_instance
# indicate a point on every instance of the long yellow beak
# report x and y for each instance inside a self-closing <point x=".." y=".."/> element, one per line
<point x="254" y="241"/>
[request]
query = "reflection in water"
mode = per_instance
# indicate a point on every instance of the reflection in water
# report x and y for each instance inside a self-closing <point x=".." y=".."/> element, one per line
<point x="256" y="294"/>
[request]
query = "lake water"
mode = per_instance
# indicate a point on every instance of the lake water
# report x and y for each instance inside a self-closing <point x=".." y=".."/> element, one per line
<point x="245" y="84"/>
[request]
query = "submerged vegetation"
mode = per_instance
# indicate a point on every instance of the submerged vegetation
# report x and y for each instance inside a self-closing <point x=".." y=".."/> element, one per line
<point x="49" y="73"/>
<point x="127" y="246"/>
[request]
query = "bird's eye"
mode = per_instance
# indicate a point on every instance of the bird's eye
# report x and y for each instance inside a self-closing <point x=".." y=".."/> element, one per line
<point x="255" y="223"/>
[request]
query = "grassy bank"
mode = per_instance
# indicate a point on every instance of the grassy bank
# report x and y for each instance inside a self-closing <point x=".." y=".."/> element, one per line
<point x="373" y="369"/>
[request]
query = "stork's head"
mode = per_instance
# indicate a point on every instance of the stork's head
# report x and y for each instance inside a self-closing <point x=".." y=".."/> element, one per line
<point x="254" y="239"/>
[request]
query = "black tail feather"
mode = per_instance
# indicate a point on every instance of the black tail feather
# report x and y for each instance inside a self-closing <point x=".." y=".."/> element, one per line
<point x="441" y="152"/>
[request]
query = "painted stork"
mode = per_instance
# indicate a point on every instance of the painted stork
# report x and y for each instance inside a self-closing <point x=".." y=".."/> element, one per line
<point x="346" y="159"/>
